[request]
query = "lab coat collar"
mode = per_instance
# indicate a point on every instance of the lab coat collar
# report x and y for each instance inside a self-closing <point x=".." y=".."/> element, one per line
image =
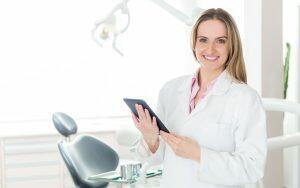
<point x="221" y="85"/>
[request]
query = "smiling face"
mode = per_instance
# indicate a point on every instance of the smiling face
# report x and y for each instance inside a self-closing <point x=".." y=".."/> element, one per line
<point x="211" y="45"/>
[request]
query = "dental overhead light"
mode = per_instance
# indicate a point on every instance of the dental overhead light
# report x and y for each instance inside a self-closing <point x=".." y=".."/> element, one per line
<point x="107" y="27"/>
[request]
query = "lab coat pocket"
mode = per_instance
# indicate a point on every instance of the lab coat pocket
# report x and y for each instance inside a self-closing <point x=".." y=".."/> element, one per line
<point x="225" y="137"/>
<point x="206" y="133"/>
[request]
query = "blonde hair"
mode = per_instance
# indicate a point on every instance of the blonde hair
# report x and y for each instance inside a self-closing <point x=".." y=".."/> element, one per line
<point x="235" y="64"/>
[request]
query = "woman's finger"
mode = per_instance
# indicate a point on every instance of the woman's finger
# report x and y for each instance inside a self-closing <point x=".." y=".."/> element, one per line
<point x="173" y="138"/>
<point x="169" y="138"/>
<point x="141" y="113"/>
<point x="148" y="117"/>
<point x="154" y="123"/>
<point x="138" y="111"/>
<point x="175" y="135"/>
<point x="169" y="142"/>
<point x="135" y="120"/>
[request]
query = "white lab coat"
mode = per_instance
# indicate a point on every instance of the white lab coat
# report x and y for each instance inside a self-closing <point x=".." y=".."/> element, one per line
<point x="230" y="127"/>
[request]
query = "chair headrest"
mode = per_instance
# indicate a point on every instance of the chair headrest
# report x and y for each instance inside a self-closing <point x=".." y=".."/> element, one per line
<point x="64" y="124"/>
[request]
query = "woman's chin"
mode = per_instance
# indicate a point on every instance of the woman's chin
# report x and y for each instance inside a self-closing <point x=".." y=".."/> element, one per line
<point x="211" y="68"/>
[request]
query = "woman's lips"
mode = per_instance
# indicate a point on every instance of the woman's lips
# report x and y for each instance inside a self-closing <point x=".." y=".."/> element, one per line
<point x="210" y="58"/>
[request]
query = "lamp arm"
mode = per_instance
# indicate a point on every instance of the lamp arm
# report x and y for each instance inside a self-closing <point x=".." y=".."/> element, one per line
<point x="115" y="9"/>
<point x="123" y="7"/>
<point x="125" y="11"/>
<point x="174" y="12"/>
<point x="114" y="45"/>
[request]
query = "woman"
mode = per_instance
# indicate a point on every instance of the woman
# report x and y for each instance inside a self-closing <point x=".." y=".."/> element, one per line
<point x="217" y="122"/>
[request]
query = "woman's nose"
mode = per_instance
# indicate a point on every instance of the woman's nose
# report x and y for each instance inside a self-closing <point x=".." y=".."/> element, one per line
<point x="210" y="48"/>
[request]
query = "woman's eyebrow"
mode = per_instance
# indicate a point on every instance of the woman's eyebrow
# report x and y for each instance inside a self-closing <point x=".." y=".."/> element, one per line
<point x="221" y="37"/>
<point x="200" y="36"/>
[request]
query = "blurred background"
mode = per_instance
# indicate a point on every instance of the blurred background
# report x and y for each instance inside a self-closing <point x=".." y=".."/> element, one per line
<point x="49" y="62"/>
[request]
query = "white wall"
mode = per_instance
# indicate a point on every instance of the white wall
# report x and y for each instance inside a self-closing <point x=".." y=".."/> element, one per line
<point x="272" y="83"/>
<point x="252" y="42"/>
<point x="50" y="63"/>
<point x="291" y="15"/>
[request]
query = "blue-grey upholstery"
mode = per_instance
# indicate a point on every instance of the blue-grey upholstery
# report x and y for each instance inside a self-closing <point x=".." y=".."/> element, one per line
<point x="64" y="124"/>
<point x="86" y="156"/>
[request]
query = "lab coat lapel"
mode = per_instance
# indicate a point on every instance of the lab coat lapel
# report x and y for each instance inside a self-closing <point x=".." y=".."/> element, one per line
<point x="183" y="96"/>
<point x="222" y="84"/>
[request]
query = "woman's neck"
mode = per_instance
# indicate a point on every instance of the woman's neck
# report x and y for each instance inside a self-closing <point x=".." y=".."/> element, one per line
<point x="207" y="76"/>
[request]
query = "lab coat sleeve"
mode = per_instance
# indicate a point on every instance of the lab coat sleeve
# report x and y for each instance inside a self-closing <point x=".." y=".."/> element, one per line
<point x="247" y="162"/>
<point x="145" y="154"/>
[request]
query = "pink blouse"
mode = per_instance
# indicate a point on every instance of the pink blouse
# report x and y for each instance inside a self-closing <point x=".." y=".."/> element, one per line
<point x="195" y="88"/>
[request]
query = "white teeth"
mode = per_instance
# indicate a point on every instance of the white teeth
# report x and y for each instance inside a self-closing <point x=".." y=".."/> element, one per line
<point x="210" y="58"/>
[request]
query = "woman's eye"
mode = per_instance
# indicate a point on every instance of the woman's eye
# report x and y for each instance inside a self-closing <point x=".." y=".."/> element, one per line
<point x="221" y="41"/>
<point x="202" y="40"/>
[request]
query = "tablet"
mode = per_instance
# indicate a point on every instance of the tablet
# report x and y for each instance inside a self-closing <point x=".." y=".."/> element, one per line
<point x="131" y="104"/>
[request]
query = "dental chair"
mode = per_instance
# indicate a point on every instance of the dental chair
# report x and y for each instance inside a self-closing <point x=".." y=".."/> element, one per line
<point x="85" y="155"/>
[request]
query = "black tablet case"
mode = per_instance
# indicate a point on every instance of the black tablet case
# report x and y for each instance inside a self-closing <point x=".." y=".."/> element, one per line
<point x="131" y="104"/>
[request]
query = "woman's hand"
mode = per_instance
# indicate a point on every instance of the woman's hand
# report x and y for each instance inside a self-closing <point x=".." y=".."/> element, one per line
<point x="147" y="126"/>
<point x="182" y="146"/>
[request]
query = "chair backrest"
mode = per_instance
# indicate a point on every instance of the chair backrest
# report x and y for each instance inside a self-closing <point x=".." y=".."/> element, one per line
<point x="86" y="156"/>
<point x="64" y="124"/>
